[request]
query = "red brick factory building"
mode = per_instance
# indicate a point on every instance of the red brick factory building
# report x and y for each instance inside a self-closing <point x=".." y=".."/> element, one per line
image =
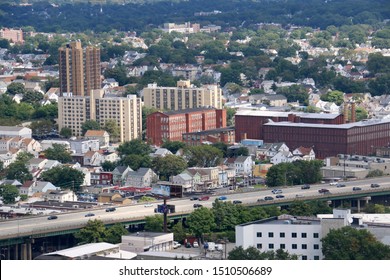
<point x="173" y="124"/>
<point x="328" y="134"/>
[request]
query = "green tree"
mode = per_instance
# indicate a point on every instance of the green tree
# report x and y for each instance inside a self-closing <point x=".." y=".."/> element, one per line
<point x="179" y="232"/>
<point x="154" y="223"/>
<point x="201" y="221"/>
<point x="66" y="132"/>
<point x="114" y="234"/>
<point x="112" y="128"/>
<point x="18" y="171"/>
<point x="32" y="97"/>
<point x="109" y="165"/>
<point x="89" y="125"/>
<point x="348" y="243"/>
<point x="173" y="146"/>
<point x="135" y="161"/>
<point x="58" y="152"/>
<point x="226" y="215"/>
<point x="230" y="112"/>
<point x="93" y="232"/>
<point x="42" y="127"/>
<point x="203" y="156"/>
<point x="64" y="177"/>
<point x="15" y="88"/>
<point x="241" y="151"/>
<point x="239" y="253"/>
<point x="168" y="166"/>
<point x="333" y="96"/>
<point x="222" y="147"/>
<point x="136" y="147"/>
<point x="8" y="193"/>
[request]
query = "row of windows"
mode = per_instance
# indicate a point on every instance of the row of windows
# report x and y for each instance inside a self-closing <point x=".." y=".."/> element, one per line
<point x="283" y="246"/>
<point x="283" y="234"/>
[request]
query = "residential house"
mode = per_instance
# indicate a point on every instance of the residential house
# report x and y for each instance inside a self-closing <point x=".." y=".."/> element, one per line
<point x="143" y="177"/>
<point x="52" y="94"/>
<point x="46" y="144"/>
<point x="93" y="158"/>
<point x="198" y="178"/>
<point x="282" y="156"/>
<point x="13" y="182"/>
<point x="83" y="146"/>
<point x="15" y="131"/>
<point x="7" y="158"/>
<point x="30" y="188"/>
<point x="101" y="135"/>
<point x="185" y="180"/>
<point x="268" y="150"/>
<point x="60" y="195"/>
<point x="161" y="152"/>
<point x="30" y="145"/>
<point x="274" y="100"/>
<point x="209" y="176"/>
<point x="110" y="156"/>
<point x="119" y="174"/>
<point x="100" y="177"/>
<point x="242" y="164"/>
<point x="35" y="164"/>
<point x="305" y="153"/>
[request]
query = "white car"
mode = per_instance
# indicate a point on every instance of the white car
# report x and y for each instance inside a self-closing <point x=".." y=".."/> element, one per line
<point x="176" y="245"/>
<point x="148" y="205"/>
<point x="333" y="183"/>
<point x="195" y="244"/>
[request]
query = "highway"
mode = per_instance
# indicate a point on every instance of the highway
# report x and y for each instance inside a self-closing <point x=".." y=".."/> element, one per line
<point x="76" y="219"/>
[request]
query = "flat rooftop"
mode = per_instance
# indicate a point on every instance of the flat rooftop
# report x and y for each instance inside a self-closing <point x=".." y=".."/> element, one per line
<point x="259" y="113"/>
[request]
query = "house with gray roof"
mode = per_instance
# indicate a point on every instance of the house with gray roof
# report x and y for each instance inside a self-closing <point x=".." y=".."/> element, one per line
<point x="119" y="174"/>
<point x="183" y="179"/>
<point x="143" y="177"/>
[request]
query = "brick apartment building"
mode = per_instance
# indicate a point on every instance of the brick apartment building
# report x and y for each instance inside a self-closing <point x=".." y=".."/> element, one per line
<point x="14" y="35"/>
<point x="172" y="125"/>
<point x="326" y="133"/>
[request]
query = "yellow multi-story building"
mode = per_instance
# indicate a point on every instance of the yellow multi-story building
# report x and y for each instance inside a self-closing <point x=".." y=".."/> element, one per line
<point x="73" y="111"/>
<point x="184" y="96"/>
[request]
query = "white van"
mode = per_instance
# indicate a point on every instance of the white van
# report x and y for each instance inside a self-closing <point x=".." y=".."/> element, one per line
<point x="211" y="246"/>
<point x="219" y="247"/>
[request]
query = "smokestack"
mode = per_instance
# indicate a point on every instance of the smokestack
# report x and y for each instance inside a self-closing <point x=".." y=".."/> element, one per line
<point x="353" y="112"/>
<point x="345" y="112"/>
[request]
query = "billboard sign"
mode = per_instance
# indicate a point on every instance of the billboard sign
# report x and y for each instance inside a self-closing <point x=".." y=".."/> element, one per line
<point x="162" y="190"/>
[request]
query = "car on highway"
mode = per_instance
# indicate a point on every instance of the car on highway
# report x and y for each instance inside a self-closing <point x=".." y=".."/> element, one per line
<point x="237" y="201"/>
<point x="334" y="183"/>
<point x="148" y="205"/>
<point x="305" y="187"/>
<point x="110" y="209"/>
<point x="356" y="189"/>
<point x="275" y="191"/>
<point x="339" y="185"/>
<point x="268" y="198"/>
<point x="176" y="245"/>
<point x="222" y="198"/>
<point x="89" y="215"/>
<point x="194" y="198"/>
<point x="197" y="205"/>
<point x="279" y="196"/>
<point x="299" y="195"/>
<point x="375" y="186"/>
<point x="203" y="198"/>
<point x="52" y="217"/>
<point x="323" y="191"/>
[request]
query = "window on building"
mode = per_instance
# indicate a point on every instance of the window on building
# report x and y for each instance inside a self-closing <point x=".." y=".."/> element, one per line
<point x="316" y="257"/>
<point x="304" y="234"/>
<point x="294" y="246"/>
<point x="304" y="257"/>
<point x="294" y="235"/>
<point x="316" y="235"/>
<point x="282" y="246"/>
<point x="270" y="246"/>
<point x="270" y="234"/>
<point x="304" y="246"/>
<point x="259" y="246"/>
<point x="316" y="246"/>
<point x="282" y="234"/>
<point x="258" y="234"/>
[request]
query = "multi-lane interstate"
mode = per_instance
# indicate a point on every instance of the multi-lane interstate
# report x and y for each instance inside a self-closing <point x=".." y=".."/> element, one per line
<point x="34" y="226"/>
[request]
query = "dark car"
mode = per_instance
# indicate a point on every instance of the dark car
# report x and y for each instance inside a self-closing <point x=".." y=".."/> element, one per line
<point x="356" y="189"/>
<point x="340" y="185"/>
<point x="110" y="209"/>
<point x="323" y="190"/>
<point x="52" y="217"/>
<point x="237" y="201"/>
<point x="268" y="198"/>
<point x="197" y="205"/>
<point x="280" y="196"/>
<point x="194" y="198"/>
<point x="305" y="187"/>
<point x="89" y="215"/>
<point x="374" y="185"/>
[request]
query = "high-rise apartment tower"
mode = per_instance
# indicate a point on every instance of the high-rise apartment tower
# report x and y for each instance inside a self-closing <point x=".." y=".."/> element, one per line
<point x="79" y="69"/>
